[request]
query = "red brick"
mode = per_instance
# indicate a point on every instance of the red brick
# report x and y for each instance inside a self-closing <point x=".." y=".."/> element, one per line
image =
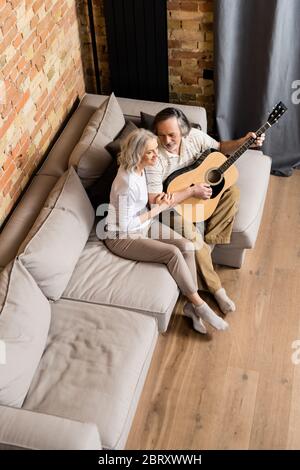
<point x="37" y="5"/>
<point x="6" y="11"/>
<point x="189" y="80"/>
<point x="48" y="4"/>
<point x="184" y="54"/>
<point x="24" y="139"/>
<point x="189" y="6"/>
<point x="20" y="79"/>
<point x="206" y="6"/>
<point x="28" y="43"/>
<point x="21" y="64"/>
<point x="41" y="99"/>
<point x="7" y="123"/>
<point x="38" y="60"/>
<point x="22" y="101"/>
<point x="7" y="174"/>
<point x="34" y="21"/>
<point x="20" y="161"/>
<point x="17" y="41"/>
<point x="8" y="24"/>
<point x="17" y="188"/>
<point x="7" y="40"/>
<point x="7" y="188"/>
<point x="15" y="151"/>
<point x="174" y="44"/>
<point x="173" y="5"/>
<point x="45" y="137"/>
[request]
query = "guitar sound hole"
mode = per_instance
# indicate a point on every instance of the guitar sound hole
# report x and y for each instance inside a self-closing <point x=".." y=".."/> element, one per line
<point x="213" y="176"/>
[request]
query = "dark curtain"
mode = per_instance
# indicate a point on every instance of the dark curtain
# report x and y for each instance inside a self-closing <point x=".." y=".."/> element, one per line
<point x="257" y="64"/>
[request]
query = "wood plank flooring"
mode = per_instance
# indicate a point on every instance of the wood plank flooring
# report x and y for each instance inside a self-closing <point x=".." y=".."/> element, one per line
<point x="237" y="389"/>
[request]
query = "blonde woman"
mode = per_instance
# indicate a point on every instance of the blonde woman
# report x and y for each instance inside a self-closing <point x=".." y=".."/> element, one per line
<point x="129" y="222"/>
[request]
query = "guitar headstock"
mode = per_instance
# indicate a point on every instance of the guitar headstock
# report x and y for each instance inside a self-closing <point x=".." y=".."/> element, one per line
<point x="276" y="113"/>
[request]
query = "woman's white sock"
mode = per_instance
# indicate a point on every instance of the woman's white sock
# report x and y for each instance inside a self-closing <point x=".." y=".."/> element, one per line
<point x="207" y="314"/>
<point x="198" y="324"/>
<point x="224" y="302"/>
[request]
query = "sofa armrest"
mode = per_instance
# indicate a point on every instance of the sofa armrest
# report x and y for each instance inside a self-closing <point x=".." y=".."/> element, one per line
<point x="23" y="429"/>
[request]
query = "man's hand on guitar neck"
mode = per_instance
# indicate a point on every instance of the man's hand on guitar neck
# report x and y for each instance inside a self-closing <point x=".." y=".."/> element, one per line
<point x="230" y="146"/>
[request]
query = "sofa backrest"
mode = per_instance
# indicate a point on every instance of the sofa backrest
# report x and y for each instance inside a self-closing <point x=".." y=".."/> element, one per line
<point x="56" y="164"/>
<point x="57" y="161"/>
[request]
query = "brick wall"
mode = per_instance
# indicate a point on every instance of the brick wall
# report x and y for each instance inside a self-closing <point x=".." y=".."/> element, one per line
<point x="190" y="44"/>
<point x="40" y="78"/>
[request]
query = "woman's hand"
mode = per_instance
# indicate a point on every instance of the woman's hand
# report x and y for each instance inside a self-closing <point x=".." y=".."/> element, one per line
<point x="165" y="198"/>
<point x="159" y="198"/>
<point x="169" y="199"/>
<point x="164" y="201"/>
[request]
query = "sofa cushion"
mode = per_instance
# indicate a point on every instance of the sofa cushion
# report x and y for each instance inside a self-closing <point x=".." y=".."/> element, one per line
<point x="114" y="147"/>
<point x="54" y="244"/>
<point x="24" y="325"/>
<point x="103" y="278"/>
<point x="94" y="367"/>
<point x="23" y="217"/>
<point x="89" y="157"/>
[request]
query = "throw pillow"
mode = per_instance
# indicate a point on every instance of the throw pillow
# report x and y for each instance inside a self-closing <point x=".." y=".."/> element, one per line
<point x="89" y="157"/>
<point x="24" y="324"/>
<point x="114" y="147"/>
<point x="58" y="236"/>
<point x="99" y="192"/>
<point x="147" y="121"/>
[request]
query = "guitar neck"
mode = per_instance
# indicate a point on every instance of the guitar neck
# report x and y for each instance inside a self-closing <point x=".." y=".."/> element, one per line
<point x="233" y="158"/>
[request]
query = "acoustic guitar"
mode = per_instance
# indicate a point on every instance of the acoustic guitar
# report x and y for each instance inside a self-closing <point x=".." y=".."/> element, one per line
<point x="215" y="169"/>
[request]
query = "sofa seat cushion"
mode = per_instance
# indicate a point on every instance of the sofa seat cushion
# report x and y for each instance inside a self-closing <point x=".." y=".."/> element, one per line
<point x="89" y="157"/>
<point x="254" y="171"/>
<point x="103" y="278"/>
<point x="53" y="245"/>
<point x="94" y="367"/>
<point x="24" y="325"/>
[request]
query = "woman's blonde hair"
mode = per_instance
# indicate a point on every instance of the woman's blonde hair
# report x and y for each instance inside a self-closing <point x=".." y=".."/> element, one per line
<point x="134" y="147"/>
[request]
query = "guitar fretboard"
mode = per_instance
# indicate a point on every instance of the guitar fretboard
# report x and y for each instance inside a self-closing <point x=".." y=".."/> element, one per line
<point x="233" y="158"/>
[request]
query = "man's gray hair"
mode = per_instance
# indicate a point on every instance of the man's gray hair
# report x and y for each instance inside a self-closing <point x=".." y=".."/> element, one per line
<point x="167" y="113"/>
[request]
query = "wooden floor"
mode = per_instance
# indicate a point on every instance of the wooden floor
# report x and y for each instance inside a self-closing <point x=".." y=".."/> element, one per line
<point x="237" y="389"/>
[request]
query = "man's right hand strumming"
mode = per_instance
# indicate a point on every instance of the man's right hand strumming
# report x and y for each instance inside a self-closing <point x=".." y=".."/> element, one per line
<point x="202" y="191"/>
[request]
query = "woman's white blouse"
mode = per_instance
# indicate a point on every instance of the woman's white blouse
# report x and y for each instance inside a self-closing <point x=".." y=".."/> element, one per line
<point x="128" y="200"/>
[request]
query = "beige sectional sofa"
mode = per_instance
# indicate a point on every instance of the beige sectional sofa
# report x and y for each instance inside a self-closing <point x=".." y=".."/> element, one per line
<point x="78" y="323"/>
